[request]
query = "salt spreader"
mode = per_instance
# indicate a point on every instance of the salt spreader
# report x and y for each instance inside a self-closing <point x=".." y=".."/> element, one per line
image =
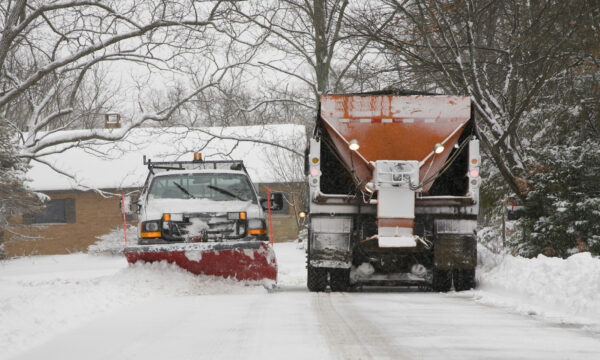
<point x="394" y="191"/>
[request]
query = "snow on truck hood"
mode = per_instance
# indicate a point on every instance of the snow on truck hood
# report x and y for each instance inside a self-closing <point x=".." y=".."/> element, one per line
<point x="156" y="207"/>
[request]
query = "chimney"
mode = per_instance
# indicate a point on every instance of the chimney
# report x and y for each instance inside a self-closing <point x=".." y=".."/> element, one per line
<point x="112" y="121"/>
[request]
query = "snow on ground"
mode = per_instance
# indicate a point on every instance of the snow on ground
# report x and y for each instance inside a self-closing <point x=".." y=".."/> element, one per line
<point x="564" y="291"/>
<point x="41" y="296"/>
<point x="291" y="265"/>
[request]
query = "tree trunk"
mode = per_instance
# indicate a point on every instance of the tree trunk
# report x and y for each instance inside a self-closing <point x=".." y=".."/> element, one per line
<point x="8" y="33"/>
<point x="321" y="46"/>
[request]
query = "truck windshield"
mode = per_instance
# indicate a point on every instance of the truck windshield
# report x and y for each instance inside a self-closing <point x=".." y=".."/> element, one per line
<point x="218" y="187"/>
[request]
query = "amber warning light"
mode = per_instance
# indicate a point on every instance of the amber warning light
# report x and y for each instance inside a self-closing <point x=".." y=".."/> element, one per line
<point x="197" y="156"/>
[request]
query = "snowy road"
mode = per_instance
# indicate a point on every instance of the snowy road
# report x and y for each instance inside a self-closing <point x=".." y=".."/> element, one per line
<point x="214" y="319"/>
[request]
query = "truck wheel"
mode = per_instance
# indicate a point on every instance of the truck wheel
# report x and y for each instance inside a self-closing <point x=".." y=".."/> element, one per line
<point x="339" y="279"/>
<point x="442" y="280"/>
<point x="464" y="279"/>
<point x="316" y="279"/>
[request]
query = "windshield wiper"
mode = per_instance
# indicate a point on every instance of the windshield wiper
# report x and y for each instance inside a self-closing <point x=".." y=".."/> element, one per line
<point x="226" y="192"/>
<point x="184" y="190"/>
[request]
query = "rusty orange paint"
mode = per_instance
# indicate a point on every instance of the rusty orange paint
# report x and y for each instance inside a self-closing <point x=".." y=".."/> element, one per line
<point x="395" y="222"/>
<point x="394" y="128"/>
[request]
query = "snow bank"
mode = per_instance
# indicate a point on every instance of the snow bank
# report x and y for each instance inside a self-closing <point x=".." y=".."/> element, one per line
<point x="42" y="296"/>
<point x="113" y="243"/>
<point x="291" y="264"/>
<point x="562" y="290"/>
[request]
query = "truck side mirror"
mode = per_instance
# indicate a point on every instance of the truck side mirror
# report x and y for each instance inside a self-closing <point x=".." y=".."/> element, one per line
<point x="137" y="205"/>
<point x="276" y="202"/>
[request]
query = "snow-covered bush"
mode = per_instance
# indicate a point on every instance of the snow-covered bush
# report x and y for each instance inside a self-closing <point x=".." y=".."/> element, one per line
<point x="563" y="206"/>
<point x="113" y="243"/>
<point x="493" y="228"/>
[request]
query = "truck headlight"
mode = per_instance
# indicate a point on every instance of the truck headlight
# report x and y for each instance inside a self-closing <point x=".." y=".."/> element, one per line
<point x="150" y="226"/>
<point x="150" y="229"/>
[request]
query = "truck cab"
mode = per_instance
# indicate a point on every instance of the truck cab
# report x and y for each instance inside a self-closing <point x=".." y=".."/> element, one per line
<point x="201" y="201"/>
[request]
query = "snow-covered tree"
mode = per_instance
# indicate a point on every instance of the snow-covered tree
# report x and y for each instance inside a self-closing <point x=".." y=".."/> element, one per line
<point x="62" y="62"/>
<point x="505" y="55"/>
<point x="15" y="197"/>
<point x="563" y="205"/>
<point x="524" y="64"/>
<point x="310" y="45"/>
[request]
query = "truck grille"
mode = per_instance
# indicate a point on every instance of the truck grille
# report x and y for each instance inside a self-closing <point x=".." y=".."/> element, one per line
<point x="202" y="227"/>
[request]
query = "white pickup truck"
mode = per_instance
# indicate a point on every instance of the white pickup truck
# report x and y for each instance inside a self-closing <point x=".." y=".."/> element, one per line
<point x="207" y="217"/>
<point x="201" y="201"/>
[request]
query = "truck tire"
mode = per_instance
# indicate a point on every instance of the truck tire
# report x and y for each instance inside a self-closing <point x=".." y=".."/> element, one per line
<point x="316" y="279"/>
<point x="442" y="280"/>
<point x="339" y="279"/>
<point x="464" y="279"/>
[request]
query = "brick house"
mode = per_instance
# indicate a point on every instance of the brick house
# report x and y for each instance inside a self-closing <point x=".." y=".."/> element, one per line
<point x="86" y="206"/>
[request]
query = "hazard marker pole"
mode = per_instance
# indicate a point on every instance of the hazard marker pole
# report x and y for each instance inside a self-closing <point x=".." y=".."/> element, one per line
<point x="124" y="218"/>
<point x="269" y="206"/>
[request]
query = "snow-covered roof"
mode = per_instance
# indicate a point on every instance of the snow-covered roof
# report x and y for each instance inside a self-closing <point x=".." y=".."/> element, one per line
<point x="115" y="165"/>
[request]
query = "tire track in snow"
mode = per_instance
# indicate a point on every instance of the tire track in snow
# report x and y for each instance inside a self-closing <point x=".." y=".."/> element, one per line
<point x="348" y="333"/>
<point x="236" y="335"/>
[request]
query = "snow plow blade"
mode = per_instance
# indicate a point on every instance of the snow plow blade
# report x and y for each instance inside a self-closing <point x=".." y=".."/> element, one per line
<point x="242" y="260"/>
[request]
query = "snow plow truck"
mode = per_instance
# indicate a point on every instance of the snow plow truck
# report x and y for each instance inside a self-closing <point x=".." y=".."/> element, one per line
<point x="394" y="192"/>
<point x="206" y="217"/>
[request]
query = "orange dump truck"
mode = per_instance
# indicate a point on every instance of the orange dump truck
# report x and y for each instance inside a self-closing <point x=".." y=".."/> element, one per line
<point x="394" y="192"/>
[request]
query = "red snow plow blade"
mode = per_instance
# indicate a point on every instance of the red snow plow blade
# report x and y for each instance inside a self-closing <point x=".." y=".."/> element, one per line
<point x="242" y="260"/>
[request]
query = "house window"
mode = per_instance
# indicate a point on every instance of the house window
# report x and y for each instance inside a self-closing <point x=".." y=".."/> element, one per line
<point x="59" y="211"/>
<point x="112" y="118"/>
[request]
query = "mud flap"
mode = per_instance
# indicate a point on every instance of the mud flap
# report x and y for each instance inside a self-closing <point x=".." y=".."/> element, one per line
<point x="453" y="251"/>
<point x="243" y="260"/>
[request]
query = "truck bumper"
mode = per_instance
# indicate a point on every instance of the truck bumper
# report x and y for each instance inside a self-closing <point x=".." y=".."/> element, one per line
<point x="154" y="241"/>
